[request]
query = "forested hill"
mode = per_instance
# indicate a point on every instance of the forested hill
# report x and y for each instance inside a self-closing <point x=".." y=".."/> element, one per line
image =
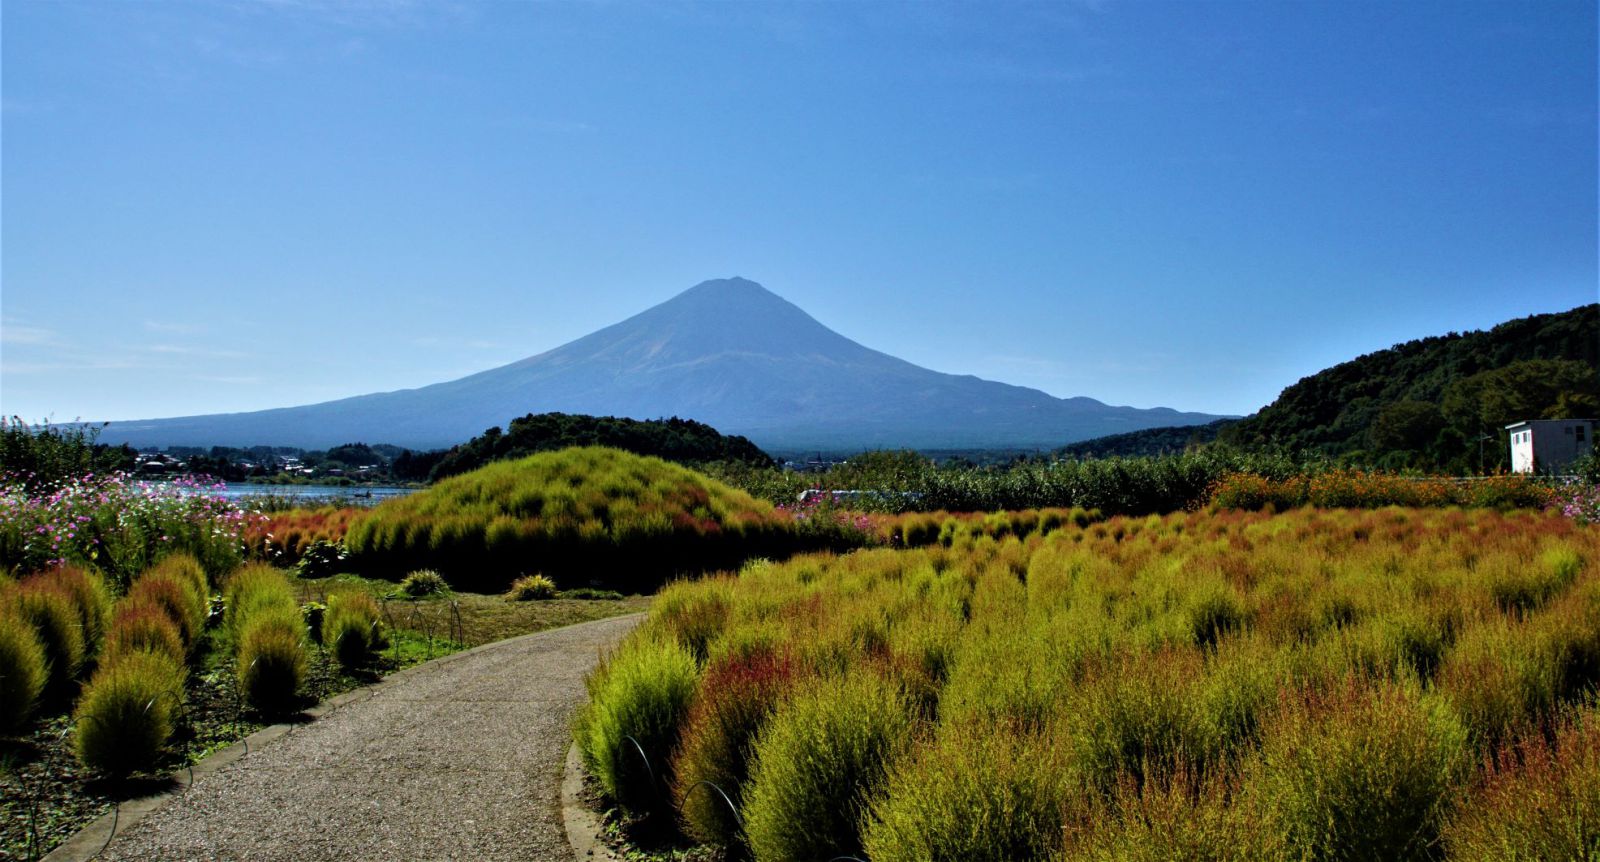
<point x="1427" y="403"/>
<point x="681" y="440"/>
<point x="1148" y="442"/>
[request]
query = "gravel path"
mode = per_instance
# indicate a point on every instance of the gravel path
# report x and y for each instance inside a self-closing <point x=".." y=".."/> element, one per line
<point x="456" y="759"/>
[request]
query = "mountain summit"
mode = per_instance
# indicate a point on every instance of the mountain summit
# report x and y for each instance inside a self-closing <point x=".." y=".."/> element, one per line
<point x="726" y="352"/>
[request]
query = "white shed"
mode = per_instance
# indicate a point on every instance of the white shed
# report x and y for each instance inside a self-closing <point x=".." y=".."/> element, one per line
<point x="1549" y="445"/>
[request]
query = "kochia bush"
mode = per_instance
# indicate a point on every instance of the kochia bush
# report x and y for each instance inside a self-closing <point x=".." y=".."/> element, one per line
<point x="126" y="714"/>
<point x="23" y="671"/>
<point x="350" y="626"/>
<point x="736" y="695"/>
<point x="819" y="760"/>
<point x="637" y="702"/>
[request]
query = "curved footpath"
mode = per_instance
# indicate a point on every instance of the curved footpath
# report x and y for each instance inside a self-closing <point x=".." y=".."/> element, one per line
<point x="459" y="758"/>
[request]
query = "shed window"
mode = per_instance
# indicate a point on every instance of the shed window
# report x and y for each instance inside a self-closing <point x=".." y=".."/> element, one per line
<point x="1579" y="431"/>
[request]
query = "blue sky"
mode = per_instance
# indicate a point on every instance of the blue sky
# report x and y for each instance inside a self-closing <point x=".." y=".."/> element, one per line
<point x="220" y="206"/>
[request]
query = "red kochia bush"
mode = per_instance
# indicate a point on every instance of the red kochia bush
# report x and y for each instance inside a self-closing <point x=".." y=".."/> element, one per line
<point x="735" y="696"/>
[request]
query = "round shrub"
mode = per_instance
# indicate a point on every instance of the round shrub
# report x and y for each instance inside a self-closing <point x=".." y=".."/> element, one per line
<point x="272" y="659"/>
<point x="175" y="595"/>
<point x="139" y="625"/>
<point x="23" y="671"/>
<point x="640" y="694"/>
<point x="424" y="582"/>
<point x="977" y="793"/>
<point x="531" y="588"/>
<point x="89" y="597"/>
<point x="185" y="569"/>
<point x="819" y="759"/>
<point x="126" y="713"/>
<point x="250" y="589"/>
<point x="54" y="618"/>
<point x="1362" y="773"/>
<point x="734" y="698"/>
<point x="350" y="627"/>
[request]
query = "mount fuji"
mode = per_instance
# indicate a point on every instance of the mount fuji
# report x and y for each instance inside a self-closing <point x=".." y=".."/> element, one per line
<point x="727" y="352"/>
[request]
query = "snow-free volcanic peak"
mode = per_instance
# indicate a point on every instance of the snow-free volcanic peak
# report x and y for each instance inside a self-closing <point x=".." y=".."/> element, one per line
<point x="727" y="352"/>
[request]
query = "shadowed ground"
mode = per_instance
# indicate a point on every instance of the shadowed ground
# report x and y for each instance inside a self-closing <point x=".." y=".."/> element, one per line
<point x="455" y="759"/>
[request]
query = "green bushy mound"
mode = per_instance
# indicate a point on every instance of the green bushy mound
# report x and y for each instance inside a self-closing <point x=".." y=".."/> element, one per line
<point x="582" y="516"/>
<point x="637" y="702"/>
<point x="55" y="619"/>
<point x="22" y="671"/>
<point x="821" y="756"/>
<point x="264" y="623"/>
<point x="350" y="627"/>
<point x="126" y="714"/>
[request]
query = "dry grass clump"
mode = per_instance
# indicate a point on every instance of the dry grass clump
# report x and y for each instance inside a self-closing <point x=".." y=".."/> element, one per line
<point x="1210" y="685"/>
<point x="532" y="588"/>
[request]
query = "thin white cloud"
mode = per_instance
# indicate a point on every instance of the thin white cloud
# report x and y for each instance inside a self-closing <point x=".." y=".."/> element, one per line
<point x="186" y="350"/>
<point x="242" y="380"/>
<point x="17" y="334"/>
<point x="169" y="326"/>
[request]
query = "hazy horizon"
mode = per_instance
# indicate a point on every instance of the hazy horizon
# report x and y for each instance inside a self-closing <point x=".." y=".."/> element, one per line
<point x="225" y="206"/>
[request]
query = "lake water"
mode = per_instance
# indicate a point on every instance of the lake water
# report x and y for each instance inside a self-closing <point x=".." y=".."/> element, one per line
<point x="364" y="495"/>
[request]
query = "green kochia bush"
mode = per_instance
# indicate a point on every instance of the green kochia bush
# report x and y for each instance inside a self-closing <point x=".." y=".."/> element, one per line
<point x="55" y="620"/>
<point x="178" y="585"/>
<point x="977" y="793"/>
<point x="250" y="589"/>
<point x="818" y="761"/>
<point x="272" y="659"/>
<point x="643" y="691"/>
<point x="89" y="596"/>
<point x="1362" y="773"/>
<point x="126" y="714"/>
<point x="264" y="624"/>
<point x="23" y="671"/>
<point x="350" y="627"/>
<point x="141" y="625"/>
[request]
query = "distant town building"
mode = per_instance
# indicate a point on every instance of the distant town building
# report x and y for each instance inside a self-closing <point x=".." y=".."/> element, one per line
<point x="1549" y="445"/>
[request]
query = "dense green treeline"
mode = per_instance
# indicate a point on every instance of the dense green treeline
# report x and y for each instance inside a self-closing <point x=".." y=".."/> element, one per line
<point x="908" y="482"/>
<point x="37" y="456"/>
<point x="682" y="441"/>
<point x="1431" y="403"/>
<point x="1149" y="441"/>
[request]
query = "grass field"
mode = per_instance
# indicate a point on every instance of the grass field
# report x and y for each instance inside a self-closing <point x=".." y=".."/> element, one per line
<point x="1320" y="684"/>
